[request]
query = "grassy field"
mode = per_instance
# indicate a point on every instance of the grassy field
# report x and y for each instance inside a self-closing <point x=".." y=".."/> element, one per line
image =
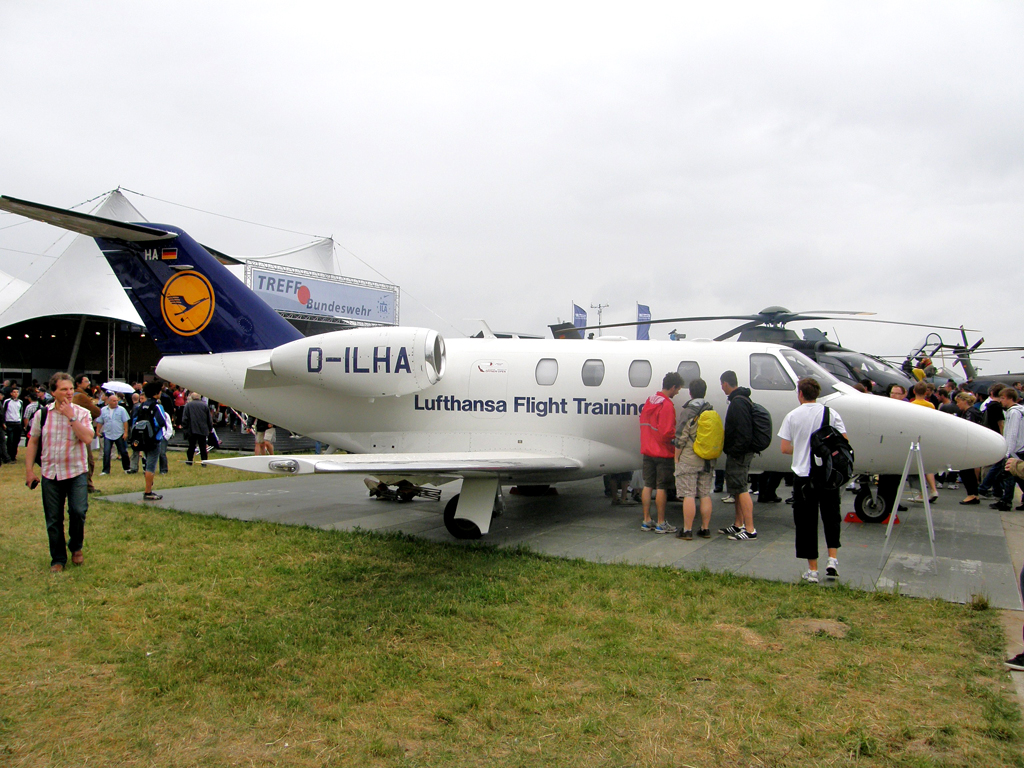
<point x="194" y="641"/>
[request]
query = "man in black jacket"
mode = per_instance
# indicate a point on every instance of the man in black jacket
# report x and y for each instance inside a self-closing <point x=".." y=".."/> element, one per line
<point x="197" y="423"/>
<point x="739" y="433"/>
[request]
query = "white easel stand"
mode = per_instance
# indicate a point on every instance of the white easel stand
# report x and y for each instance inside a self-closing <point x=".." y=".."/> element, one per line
<point x="915" y="450"/>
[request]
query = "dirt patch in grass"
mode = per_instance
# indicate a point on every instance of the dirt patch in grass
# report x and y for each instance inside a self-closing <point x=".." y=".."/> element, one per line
<point x="828" y="627"/>
<point x="748" y="637"/>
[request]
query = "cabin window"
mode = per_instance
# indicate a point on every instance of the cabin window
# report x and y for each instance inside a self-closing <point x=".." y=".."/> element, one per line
<point x="593" y="373"/>
<point x="766" y="372"/>
<point x="640" y="373"/>
<point x="688" y="370"/>
<point x="547" y="371"/>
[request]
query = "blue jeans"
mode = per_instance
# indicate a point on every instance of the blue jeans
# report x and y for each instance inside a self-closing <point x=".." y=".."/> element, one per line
<point x="988" y="484"/>
<point x="163" y="457"/>
<point x="122" y="451"/>
<point x="153" y="456"/>
<point x="74" y="491"/>
<point x="1005" y="483"/>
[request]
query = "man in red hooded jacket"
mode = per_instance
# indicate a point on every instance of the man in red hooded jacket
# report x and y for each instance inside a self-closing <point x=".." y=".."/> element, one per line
<point x="657" y="431"/>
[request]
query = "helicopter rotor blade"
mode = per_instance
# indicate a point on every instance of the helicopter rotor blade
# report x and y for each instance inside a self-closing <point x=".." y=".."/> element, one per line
<point x="671" y="320"/>
<point x="738" y="329"/>
<point x="915" y="325"/>
<point x="834" y="312"/>
<point x="770" y="319"/>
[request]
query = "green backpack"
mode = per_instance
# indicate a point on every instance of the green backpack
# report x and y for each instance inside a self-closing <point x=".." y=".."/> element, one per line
<point x="710" y="436"/>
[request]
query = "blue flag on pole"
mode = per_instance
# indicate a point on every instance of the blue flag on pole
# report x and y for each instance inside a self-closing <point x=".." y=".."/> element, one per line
<point x="579" y="316"/>
<point x="643" y="316"/>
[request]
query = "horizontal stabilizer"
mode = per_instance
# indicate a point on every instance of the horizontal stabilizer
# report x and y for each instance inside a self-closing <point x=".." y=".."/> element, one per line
<point x="459" y="464"/>
<point x="83" y="223"/>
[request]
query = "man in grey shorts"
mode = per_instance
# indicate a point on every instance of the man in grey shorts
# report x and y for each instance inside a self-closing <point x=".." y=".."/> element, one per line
<point x="694" y="475"/>
<point x="739" y="432"/>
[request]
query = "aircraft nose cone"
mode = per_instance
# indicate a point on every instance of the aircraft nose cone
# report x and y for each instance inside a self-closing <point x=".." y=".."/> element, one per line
<point x="983" y="446"/>
<point x="882" y="431"/>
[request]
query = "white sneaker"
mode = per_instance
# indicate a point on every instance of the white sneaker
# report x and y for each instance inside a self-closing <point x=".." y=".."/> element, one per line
<point x="728" y="498"/>
<point x="811" y="576"/>
<point x="832" y="570"/>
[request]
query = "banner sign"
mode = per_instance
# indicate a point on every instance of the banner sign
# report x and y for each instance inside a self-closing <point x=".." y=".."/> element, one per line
<point x="643" y="316"/>
<point x="309" y="293"/>
<point x="579" y="316"/>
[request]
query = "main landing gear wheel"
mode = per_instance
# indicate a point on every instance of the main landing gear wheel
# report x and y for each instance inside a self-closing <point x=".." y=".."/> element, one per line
<point x="870" y="510"/>
<point x="457" y="527"/>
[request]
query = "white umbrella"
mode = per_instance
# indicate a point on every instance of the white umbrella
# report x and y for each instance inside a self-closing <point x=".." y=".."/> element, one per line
<point x="118" y="386"/>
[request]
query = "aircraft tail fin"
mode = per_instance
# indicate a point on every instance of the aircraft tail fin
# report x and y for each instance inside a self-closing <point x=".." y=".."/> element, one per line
<point x="190" y="303"/>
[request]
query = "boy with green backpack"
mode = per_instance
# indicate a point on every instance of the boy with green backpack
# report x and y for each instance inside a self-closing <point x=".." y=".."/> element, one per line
<point x="700" y="436"/>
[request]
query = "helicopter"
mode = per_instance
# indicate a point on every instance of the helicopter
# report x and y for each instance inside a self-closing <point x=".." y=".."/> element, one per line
<point x="769" y="326"/>
<point x="930" y="354"/>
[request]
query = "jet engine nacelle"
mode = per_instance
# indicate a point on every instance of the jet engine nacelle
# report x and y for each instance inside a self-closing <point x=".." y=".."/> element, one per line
<point x="364" y="362"/>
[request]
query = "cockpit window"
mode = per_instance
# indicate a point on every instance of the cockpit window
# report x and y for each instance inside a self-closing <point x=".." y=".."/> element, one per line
<point x="802" y="366"/>
<point x="766" y="372"/>
<point x="864" y="364"/>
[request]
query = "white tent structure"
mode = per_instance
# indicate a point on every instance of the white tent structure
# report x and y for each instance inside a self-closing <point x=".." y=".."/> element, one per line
<point x="11" y="289"/>
<point x="80" y="281"/>
<point x="317" y="256"/>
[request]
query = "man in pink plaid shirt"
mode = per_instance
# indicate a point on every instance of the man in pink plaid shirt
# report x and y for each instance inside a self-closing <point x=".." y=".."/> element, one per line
<point x="64" y="466"/>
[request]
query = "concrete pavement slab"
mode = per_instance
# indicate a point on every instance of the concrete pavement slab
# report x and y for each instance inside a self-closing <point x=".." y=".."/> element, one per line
<point x="973" y="556"/>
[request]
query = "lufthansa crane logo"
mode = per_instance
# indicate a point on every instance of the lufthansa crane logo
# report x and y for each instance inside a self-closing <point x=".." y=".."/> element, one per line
<point x="187" y="303"/>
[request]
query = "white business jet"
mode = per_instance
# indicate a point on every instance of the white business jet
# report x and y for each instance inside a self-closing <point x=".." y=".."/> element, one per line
<point x="406" y="404"/>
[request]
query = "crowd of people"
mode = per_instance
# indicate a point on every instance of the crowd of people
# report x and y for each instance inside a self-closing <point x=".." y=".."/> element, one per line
<point x="1001" y="412"/>
<point x="667" y="448"/>
<point x="57" y="422"/>
<point x="675" y="459"/>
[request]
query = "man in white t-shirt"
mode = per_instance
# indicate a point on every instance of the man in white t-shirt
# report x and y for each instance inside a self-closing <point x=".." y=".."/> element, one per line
<point x="808" y="501"/>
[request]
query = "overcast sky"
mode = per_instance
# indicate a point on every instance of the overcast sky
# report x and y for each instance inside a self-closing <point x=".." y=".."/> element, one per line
<point x="503" y="161"/>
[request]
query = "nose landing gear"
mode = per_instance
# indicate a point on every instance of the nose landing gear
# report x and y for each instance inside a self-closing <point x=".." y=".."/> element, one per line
<point x="870" y="505"/>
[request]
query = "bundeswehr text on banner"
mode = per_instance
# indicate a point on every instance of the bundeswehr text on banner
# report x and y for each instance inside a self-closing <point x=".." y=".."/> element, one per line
<point x="289" y="292"/>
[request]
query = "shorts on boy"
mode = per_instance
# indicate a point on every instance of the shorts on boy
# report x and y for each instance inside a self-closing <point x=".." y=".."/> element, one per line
<point x="737" y="473"/>
<point x="693" y="483"/>
<point x="658" y="472"/>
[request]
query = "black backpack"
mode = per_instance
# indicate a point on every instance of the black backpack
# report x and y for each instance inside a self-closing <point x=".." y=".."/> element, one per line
<point x="144" y="435"/>
<point x="831" y="456"/>
<point x="761" y="427"/>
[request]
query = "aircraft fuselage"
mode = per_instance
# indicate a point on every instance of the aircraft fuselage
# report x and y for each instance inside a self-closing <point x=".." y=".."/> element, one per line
<point x="496" y="396"/>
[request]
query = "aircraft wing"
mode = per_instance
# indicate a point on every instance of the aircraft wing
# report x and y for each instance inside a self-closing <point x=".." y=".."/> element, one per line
<point x="468" y="464"/>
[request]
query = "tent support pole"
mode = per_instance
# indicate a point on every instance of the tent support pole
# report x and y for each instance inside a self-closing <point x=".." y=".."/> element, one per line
<point x="78" y="343"/>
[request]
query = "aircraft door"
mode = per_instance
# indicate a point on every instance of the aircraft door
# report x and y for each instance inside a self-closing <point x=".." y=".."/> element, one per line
<point x="488" y="389"/>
